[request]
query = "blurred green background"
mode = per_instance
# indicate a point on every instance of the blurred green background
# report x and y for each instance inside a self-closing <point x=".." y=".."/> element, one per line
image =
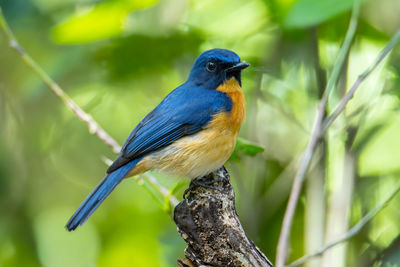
<point x="117" y="59"/>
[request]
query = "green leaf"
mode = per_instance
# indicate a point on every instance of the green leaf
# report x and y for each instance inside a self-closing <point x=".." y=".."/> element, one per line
<point x="248" y="148"/>
<point x="245" y="147"/>
<point x="306" y="13"/>
<point x="103" y="21"/>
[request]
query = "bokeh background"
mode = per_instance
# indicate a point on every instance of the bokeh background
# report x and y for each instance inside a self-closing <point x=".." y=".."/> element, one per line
<point x="118" y="58"/>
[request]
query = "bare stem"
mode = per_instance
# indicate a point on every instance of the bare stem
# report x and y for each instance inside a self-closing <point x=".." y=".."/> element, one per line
<point x="163" y="191"/>
<point x="93" y="126"/>
<point x="349" y="95"/>
<point x="284" y="238"/>
<point x="354" y="230"/>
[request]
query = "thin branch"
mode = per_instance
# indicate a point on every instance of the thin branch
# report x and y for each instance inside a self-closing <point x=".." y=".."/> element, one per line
<point x="284" y="237"/>
<point x="349" y="95"/>
<point x="93" y="126"/>
<point x="354" y="230"/>
<point x="163" y="191"/>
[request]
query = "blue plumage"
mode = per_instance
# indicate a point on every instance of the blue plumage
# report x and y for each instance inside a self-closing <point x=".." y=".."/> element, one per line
<point x="185" y="111"/>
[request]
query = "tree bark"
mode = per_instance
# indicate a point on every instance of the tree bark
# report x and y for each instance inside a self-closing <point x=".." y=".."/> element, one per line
<point x="208" y="222"/>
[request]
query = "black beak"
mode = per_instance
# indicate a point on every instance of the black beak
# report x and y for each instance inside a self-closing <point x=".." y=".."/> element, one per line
<point x="239" y="66"/>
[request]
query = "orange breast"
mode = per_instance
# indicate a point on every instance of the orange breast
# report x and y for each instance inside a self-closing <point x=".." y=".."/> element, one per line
<point x="237" y="115"/>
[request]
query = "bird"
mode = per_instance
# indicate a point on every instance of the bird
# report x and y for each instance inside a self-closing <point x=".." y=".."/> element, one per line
<point x="191" y="133"/>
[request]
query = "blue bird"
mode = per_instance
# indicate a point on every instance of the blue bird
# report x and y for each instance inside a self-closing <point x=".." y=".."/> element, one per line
<point x="191" y="133"/>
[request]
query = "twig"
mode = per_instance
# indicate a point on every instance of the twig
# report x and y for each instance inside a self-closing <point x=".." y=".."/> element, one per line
<point x="93" y="126"/>
<point x="284" y="237"/>
<point x="163" y="191"/>
<point x="349" y="95"/>
<point x="354" y="230"/>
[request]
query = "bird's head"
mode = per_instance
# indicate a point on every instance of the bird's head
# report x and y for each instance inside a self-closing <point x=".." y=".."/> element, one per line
<point x="215" y="66"/>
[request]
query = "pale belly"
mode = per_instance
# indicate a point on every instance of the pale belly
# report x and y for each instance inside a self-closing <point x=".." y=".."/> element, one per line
<point x="194" y="156"/>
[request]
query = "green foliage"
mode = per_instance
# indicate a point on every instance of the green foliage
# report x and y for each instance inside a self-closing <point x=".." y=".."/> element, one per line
<point x="98" y="22"/>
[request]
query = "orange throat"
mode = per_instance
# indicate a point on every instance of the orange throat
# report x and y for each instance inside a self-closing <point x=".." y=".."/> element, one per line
<point x="238" y="112"/>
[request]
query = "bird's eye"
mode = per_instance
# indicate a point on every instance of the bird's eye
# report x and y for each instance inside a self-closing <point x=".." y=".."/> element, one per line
<point x="211" y="66"/>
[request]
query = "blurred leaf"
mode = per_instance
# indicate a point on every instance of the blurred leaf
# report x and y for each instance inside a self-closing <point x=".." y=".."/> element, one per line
<point x="306" y="13"/>
<point x="390" y="255"/>
<point x="100" y="22"/>
<point x="230" y="19"/>
<point x="248" y="148"/>
<point x="50" y="6"/>
<point x="368" y="135"/>
<point x="381" y="155"/>
<point x="245" y="147"/>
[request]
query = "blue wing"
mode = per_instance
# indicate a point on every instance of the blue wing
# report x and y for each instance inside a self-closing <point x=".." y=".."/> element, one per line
<point x="185" y="111"/>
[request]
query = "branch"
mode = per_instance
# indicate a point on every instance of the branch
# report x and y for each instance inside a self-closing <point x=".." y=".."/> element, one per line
<point x="208" y="222"/>
<point x="354" y="230"/>
<point x="93" y="126"/>
<point x="161" y="189"/>
<point x="349" y="95"/>
<point x="284" y="237"/>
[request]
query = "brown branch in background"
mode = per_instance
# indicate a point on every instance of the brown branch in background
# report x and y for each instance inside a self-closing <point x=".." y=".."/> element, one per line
<point x="93" y="126"/>
<point x="284" y="237"/>
<point x="354" y="230"/>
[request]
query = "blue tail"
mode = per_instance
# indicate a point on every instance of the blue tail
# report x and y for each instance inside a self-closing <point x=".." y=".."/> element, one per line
<point x="99" y="194"/>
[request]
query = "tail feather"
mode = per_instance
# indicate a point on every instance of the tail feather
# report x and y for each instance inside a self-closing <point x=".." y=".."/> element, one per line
<point x="98" y="195"/>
